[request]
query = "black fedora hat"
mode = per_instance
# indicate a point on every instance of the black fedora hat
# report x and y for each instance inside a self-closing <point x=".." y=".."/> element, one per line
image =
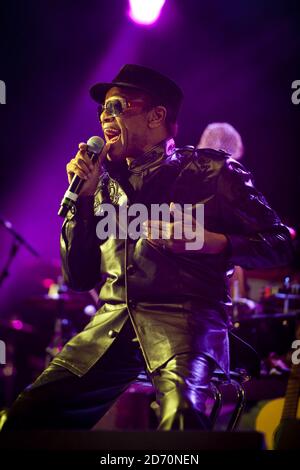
<point x="138" y="77"/>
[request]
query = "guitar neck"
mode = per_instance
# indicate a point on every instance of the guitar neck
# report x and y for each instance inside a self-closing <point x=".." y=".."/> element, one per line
<point x="292" y="394"/>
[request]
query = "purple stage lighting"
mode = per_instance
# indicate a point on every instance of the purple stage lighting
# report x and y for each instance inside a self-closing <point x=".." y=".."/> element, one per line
<point x="145" y="12"/>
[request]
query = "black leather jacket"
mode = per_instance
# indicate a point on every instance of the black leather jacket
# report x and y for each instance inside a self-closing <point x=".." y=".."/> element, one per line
<point x="176" y="302"/>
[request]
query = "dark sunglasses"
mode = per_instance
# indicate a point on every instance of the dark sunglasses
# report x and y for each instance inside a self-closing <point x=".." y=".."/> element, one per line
<point x="116" y="106"/>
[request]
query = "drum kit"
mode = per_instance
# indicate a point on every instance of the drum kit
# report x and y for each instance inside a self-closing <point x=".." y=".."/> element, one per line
<point x="46" y="322"/>
<point x="68" y="312"/>
<point x="274" y="301"/>
<point x="269" y="324"/>
<point x="37" y="333"/>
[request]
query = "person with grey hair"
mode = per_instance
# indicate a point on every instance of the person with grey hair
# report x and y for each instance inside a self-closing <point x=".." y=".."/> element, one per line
<point x="222" y="136"/>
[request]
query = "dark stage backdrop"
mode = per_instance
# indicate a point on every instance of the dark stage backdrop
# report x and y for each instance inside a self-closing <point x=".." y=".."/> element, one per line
<point x="235" y="60"/>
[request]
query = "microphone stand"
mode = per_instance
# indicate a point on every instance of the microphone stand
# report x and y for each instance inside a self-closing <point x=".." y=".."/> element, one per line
<point x="17" y="242"/>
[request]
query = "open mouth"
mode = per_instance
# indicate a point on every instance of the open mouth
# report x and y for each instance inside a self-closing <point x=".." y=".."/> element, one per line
<point x="112" y="135"/>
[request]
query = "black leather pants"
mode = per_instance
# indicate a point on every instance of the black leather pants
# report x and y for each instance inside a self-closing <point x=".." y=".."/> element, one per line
<point x="182" y="387"/>
<point x="58" y="399"/>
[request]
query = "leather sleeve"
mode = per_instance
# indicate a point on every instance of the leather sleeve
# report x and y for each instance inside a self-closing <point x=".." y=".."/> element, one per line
<point x="257" y="238"/>
<point x="80" y="247"/>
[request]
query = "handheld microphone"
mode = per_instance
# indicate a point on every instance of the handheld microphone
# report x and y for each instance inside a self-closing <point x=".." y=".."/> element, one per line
<point x="95" y="145"/>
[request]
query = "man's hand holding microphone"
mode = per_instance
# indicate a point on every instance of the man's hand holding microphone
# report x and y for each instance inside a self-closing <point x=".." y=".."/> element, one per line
<point x="84" y="171"/>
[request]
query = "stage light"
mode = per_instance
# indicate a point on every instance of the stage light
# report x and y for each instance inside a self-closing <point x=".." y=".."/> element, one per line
<point x="145" y="12"/>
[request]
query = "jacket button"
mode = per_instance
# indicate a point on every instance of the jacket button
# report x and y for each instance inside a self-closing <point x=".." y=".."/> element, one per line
<point x="130" y="269"/>
<point x="112" y="333"/>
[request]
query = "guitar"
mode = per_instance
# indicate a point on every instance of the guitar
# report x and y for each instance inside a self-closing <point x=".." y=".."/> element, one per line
<point x="275" y="417"/>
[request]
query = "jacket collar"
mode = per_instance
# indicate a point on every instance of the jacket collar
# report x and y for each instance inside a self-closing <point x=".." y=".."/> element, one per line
<point x="153" y="157"/>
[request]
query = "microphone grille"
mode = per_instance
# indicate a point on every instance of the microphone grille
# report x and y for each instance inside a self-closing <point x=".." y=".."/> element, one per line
<point x="95" y="144"/>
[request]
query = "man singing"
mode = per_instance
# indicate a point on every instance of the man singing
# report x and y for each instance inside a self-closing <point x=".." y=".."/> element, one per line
<point x="164" y="303"/>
